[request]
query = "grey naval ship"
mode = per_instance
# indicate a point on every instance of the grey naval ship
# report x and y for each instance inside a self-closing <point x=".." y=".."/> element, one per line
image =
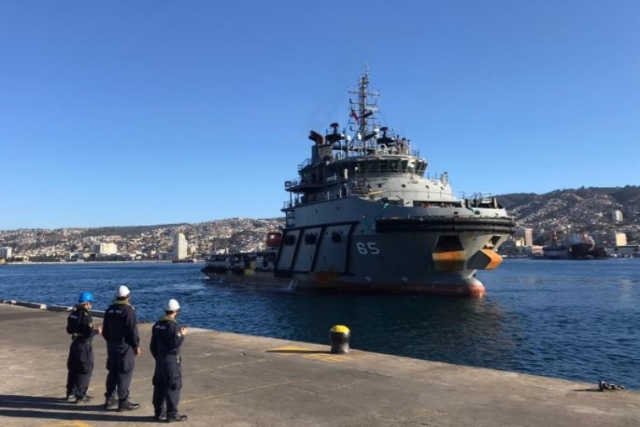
<point x="363" y="216"/>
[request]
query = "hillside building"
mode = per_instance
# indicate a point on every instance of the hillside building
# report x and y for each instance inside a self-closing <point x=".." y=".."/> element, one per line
<point x="528" y="236"/>
<point x="179" y="246"/>
<point x="620" y="239"/>
<point x="616" y="215"/>
<point x="106" y="249"/>
<point x="5" y="252"/>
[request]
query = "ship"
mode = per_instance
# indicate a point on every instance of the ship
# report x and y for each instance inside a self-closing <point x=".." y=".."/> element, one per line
<point x="585" y="248"/>
<point x="574" y="247"/>
<point x="249" y="266"/>
<point x="555" y="250"/>
<point x="363" y="215"/>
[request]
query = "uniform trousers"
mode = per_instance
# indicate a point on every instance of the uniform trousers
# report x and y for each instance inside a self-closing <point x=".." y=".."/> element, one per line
<point x="80" y="368"/>
<point x="167" y="382"/>
<point x="120" y="364"/>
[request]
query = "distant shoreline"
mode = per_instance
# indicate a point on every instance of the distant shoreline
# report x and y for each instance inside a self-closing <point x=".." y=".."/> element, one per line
<point x="91" y="262"/>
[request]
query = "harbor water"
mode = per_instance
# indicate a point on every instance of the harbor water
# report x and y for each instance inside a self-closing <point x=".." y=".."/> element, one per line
<point x="578" y="320"/>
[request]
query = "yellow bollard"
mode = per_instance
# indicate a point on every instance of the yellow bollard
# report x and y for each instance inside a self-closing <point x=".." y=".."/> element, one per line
<point x="339" y="336"/>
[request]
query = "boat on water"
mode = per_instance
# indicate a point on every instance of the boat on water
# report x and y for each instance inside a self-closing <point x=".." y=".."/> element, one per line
<point x="555" y="252"/>
<point x="575" y="247"/>
<point x="584" y="251"/>
<point x="247" y="266"/>
<point x="584" y="248"/>
<point x="363" y="216"/>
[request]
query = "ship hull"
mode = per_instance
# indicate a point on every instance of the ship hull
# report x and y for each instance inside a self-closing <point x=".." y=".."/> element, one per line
<point x="455" y="286"/>
<point x="585" y="251"/>
<point x="406" y="250"/>
<point x="555" y="252"/>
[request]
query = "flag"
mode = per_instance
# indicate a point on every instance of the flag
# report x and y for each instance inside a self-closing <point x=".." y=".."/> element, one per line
<point x="354" y="115"/>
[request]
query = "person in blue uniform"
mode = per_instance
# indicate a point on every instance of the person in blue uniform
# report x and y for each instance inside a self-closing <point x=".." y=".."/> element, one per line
<point x="167" y="337"/>
<point x="80" y="360"/>
<point x="120" y="330"/>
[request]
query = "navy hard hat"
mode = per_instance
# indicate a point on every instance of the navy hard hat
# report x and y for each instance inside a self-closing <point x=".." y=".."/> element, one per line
<point x="86" y="297"/>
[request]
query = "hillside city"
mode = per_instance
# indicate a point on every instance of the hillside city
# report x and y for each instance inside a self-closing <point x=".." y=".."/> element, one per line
<point x="136" y="243"/>
<point x="611" y="216"/>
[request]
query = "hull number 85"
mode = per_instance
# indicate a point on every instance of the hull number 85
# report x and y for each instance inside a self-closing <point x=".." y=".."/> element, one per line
<point x="367" y="248"/>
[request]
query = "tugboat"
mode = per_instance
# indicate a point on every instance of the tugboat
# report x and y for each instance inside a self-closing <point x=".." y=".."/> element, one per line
<point x="238" y="266"/>
<point x="363" y="217"/>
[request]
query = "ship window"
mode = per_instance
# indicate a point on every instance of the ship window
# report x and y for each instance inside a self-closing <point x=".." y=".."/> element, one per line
<point x="420" y="168"/>
<point x="448" y="244"/>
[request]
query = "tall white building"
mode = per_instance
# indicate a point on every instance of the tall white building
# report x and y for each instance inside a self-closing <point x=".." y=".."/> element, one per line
<point x="179" y="246"/>
<point x="5" y="252"/>
<point x="528" y="236"/>
<point x="106" y="248"/>
<point x="616" y="215"/>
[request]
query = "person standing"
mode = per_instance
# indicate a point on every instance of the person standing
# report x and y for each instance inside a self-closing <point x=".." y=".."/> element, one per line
<point x="167" y="337"/>
<point x="80" y="360"/>
<point x="120" y="330"/>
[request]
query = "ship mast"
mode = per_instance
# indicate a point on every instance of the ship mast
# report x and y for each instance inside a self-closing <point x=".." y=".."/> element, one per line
<point x="363" y="114"/>
<point x="362" y="102"/>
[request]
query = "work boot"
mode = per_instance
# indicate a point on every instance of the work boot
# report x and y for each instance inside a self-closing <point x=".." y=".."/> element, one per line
<point x="84" y="399"/>
<point x="127" y="405"/>
<point x="160" y="414"/>
<point x="176" y="418"/>
<point x="110" y="404"/>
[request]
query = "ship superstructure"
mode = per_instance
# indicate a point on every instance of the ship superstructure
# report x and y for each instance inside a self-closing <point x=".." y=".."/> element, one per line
<point x="363" y="216"/>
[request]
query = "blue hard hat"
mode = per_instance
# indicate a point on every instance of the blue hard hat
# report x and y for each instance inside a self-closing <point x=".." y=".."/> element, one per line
<point x="86" y="297"/>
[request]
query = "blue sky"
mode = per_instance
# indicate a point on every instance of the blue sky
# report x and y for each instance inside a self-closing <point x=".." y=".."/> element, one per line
<point x="151" y="112"/>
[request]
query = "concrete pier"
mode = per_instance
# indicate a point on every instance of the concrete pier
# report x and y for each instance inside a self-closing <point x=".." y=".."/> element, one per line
<point x="240" y="381"/>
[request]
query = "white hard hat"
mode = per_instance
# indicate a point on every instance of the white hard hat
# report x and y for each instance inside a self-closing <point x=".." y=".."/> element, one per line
<point x="172" y="305"/>
<point x="122" y="291"/>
